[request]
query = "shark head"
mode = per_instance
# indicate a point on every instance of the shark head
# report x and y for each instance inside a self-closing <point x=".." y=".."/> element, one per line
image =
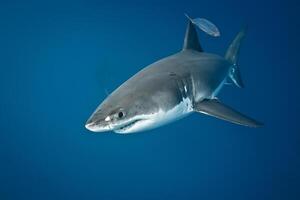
<point x="123" y="114"/>
<point x="135" y="108"/>
<point x="141" y="103"/>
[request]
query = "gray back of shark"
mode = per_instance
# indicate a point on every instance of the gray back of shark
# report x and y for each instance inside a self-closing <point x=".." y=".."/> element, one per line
<point x="172" y="88"/>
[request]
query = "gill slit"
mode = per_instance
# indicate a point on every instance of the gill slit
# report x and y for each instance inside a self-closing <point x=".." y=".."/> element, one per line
<point x="186" y="87"/>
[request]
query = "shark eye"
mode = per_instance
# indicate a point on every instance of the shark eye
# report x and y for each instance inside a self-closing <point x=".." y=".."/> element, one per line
<point x="120" y="114"/>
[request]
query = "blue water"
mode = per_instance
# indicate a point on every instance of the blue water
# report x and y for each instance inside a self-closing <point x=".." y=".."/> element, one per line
<point x="57" y="60"/>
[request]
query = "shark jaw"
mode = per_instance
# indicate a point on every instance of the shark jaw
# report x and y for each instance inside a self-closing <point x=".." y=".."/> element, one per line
<point x="150" y="121"/>
<point x="130" y="126"/>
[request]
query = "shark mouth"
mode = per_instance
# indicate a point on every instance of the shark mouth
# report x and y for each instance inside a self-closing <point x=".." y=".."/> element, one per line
<point x="127" y="126"/>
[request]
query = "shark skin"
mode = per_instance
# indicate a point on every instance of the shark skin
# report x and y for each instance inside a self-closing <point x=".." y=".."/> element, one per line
<point x="170" y="89"/>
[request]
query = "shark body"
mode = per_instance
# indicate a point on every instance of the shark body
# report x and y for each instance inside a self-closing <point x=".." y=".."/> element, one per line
<point x="172" y="88"/>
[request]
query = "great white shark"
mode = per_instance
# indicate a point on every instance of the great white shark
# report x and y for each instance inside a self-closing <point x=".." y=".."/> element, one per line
<point x="172" y="88"/>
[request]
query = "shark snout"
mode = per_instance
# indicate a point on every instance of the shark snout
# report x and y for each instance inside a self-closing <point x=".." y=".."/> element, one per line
<point x="90" y="126"/>
<point x="97" y="126"/>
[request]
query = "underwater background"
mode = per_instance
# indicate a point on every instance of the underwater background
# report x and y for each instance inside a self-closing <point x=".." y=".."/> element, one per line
<point x="60" y="58"/>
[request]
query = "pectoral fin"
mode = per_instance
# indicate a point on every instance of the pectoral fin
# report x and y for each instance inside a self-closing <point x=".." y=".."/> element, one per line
<point x="215" y="108"/>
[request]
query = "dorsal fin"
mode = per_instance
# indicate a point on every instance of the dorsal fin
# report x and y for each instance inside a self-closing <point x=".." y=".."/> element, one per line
<point x="191" y="38"/>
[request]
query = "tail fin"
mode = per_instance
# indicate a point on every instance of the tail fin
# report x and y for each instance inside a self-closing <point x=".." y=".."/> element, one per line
<point x="232" y="56"/>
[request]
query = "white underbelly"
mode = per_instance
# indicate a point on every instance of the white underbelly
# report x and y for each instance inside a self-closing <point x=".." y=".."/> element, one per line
<point x="179" y="111"/>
